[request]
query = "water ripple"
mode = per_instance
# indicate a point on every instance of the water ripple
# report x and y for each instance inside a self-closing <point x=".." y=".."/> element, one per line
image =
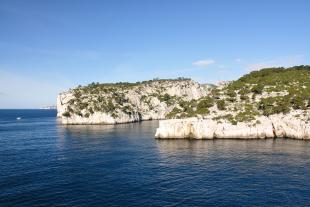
<point x="45" y="164"/>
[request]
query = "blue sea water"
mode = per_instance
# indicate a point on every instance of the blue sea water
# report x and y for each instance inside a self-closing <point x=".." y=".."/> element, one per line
<point x="43" y="163"/>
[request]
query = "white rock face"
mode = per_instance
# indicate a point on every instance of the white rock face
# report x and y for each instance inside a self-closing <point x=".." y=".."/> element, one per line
<point x="146" y="103"/>
<point x="142" y="110"/>
<point x="269" y="127"/>
<point x="62" y="102"/>
<point x="289" y="126"/>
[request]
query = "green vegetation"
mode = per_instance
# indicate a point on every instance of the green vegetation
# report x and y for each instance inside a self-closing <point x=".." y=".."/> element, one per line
<point x="169" y="100"/>
<point x="111" y="97"/>
<point x="274" y="105"/>
<point x="205" y="102"/>
<point x="203" y="106"/>
<point x="174" y="113"/>
<point x="221" y="104"/>
<point x="264" y="92"/>
<point x="192" y="108"/>
<point x="231" y="93"/>
<point x="228" y="117"/>
<point x="66" y="114"/>
<point x="257" y="89"/>
<point x="278" y="90"/>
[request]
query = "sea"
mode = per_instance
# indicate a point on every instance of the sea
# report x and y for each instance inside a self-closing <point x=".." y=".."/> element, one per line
<point x="45" y="163"/>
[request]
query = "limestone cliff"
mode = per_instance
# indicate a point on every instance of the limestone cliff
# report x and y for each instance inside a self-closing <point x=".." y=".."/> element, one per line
<point x="268" y="103"/>
<point x="125" y="102"/>
<point x="275" y="126"/>
<point x="273" y="102"/>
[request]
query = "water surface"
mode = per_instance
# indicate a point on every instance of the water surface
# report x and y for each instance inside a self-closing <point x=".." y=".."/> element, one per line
<point x="43" y="163"/>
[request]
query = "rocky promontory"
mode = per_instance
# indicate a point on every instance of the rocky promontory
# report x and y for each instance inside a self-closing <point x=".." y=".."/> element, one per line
<point x="269" y="103"/>
<point x="126" y="102"/>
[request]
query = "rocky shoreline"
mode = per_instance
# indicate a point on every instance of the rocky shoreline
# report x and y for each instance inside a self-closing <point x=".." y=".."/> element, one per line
<point x="276" y="126"/>
<point x="269" y="103"/>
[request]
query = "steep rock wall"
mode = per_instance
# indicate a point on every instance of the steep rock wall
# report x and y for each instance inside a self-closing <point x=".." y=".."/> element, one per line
<point x="269" y="127"/>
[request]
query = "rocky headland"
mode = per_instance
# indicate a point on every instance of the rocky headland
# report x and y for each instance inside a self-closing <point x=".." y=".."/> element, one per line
<point x="270" y="103"/>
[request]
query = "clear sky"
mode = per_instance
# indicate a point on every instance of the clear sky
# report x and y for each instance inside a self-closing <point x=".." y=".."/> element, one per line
<point x="49" y="46"/>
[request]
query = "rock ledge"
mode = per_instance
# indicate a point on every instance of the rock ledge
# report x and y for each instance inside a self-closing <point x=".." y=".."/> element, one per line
<point x="269" y="127"/>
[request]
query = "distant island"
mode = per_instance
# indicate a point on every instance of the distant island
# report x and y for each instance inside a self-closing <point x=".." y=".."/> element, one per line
<point x="52" y="107"/>
<point x="269" y="103"/>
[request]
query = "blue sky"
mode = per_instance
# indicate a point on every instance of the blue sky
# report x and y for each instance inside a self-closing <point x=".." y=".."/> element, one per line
<point x="49" y="46"/>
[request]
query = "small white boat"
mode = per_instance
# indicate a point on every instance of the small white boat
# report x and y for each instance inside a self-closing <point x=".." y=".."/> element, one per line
<point x="18" y="118"/>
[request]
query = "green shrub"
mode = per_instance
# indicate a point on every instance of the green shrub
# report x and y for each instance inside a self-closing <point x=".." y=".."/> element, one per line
<point x="69" y="108"/>
<point x="173" y="114"/>
<point x="206" y="102"/>
<point x="244" y="116"/>
<point x="143" y="97"/>
<point x="91" y="111"/>
<point x="66" y="114"/>
<point x="257" y="89"/>
<point x="202" y="111"/>
<point x="114" y="115"/>
<point x="215" y="93"/>
<point x="110" y="106"/>
<point x="231" y="99"/>
<point x="120" y="99"/>
<point x="77" y="93"/>
<point x="244" y="97"/>
<point x="127" y="109"/>
<point x="244" y="91"/>
<point x="231" y="93"/>
<point x="221" y="104"/>
<point x="188" y="106"/>
<point x="274" y="105"/>
<point x="298" y="103"/>
<point x="79" y="113"/>
<point x="228" y="117"/>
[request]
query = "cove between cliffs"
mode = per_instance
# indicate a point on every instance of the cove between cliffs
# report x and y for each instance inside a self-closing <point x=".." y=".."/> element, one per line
<point x="276" y="126"/>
